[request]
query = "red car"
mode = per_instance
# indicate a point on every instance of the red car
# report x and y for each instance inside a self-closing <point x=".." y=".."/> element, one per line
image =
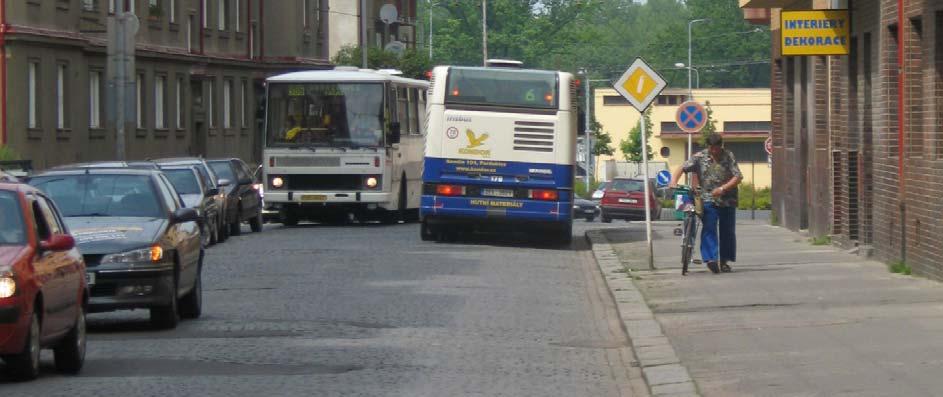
<point x="625" y="199"/>
<point x="43" y="292"/>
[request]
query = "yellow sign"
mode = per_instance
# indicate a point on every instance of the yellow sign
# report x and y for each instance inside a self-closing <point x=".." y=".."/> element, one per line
<point x="816" y="32"/>
<point x="313" y="197"/>
<point x="640" y="85"/>
<point x="497" y="203"/>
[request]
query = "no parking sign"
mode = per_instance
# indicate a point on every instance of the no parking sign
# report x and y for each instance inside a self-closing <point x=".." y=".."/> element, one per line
<point x="691" y="117"/>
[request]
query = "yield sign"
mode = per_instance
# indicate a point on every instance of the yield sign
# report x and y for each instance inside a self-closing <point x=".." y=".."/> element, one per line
<point x="691" y="117"/>
<point x="640" y="85"/>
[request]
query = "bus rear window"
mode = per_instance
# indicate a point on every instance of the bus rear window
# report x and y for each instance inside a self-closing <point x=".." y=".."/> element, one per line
<point x="502" y="87"/>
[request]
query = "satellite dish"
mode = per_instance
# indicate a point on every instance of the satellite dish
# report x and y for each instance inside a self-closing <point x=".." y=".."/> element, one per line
<point x="389" y="14"/>
<point x="396" y="47"/>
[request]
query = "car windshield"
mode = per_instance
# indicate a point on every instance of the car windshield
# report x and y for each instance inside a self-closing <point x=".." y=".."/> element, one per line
<point x="627" y="185"/>
<point x="11" y="220"/>
<point x="101" y="195"/>
<point x="325" y="115"/>
<point x="184" y="180"/>
<point x="223" y="169"/>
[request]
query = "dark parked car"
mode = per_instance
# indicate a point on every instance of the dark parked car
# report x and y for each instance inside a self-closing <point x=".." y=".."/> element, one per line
<point x="43" y="294"/>
<point x="140" y="243"/>
<point x="583" y="208"/>
<point x="144" y="165"/>
<point x="196" y="194"/>
<point x="214" y="182"/>
<point x="243" y="197"/>
<point x="625" y="199"/>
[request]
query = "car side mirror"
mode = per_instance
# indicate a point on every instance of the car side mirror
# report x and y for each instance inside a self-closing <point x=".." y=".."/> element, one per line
<point x="245" y="181"/>
<point x="395" y="132"/>
<point x="185" y="215"/>
<point x="223" y="182"/>
<point x="212" y="192"/>
<point x="255" y="174"/>
<point x="58" y="242"/>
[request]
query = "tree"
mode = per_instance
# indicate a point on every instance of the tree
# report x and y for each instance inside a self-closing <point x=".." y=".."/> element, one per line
<point x="710" y="126"/>
<point x="632" y="149"/>
<point x="413" y="63"/>
<point x="602" y="141"/>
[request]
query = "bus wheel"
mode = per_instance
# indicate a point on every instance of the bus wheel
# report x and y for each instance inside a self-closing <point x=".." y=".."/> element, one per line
<point x="565" y="235"/>
<point x="426" y="232"/>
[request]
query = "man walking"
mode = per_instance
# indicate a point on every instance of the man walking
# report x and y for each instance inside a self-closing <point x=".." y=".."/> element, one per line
<point x="718" y="174"/>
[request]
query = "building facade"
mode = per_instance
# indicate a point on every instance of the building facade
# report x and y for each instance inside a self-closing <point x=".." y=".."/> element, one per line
<point x="742" y="116"/>
<point x="858" y="138"/>
<point x="200" y="67"/>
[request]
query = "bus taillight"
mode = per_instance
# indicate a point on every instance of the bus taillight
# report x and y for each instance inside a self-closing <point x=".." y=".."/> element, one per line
<point x="450" y="190"/>
<point x="544" y="195"/>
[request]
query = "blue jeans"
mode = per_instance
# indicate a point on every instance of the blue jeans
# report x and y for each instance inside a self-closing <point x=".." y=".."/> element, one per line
<point x="727" y="218"/>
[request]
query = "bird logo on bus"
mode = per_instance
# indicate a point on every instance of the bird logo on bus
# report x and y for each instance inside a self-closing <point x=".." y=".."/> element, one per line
<point x="475" y="140"/>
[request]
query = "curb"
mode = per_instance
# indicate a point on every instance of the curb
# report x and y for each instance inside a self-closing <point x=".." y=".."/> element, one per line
<point x="662" y="371"/>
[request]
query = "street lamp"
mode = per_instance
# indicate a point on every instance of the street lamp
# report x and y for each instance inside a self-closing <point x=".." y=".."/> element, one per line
<point x="587" y="140"/>
<point x="690" y="62"/>
<point x="697" y="75"/>
<point x="431" y="4"/>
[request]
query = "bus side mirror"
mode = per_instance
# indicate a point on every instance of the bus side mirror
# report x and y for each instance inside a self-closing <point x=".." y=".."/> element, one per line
<point x="394" y="132"/>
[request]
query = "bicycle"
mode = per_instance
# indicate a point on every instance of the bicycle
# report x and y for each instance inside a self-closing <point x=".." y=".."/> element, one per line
<point x="684" y="201"/>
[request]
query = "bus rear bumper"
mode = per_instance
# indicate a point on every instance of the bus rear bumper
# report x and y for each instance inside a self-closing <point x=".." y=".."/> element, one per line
<point x="454" y="209"/>
<point x="305" y="198"/>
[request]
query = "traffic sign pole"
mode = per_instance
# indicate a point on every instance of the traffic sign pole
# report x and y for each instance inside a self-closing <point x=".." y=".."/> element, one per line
<point x="640" y="85"/>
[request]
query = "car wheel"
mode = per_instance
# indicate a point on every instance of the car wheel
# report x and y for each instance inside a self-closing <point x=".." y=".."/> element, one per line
<point x="426" y="232"/>
<point x="205" y="235"/>
<point x="235" y="228"/>
<point x="191" y="306"/>
<point x="167" y="317"/>
<point x="70" y="353"/>
<point x="256" y="222"/>
<point x="289" y="218"/>
<point x="25" y="365"/>
<point x="222" y="228"/>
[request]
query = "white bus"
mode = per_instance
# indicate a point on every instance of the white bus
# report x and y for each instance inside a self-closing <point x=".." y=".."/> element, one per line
<point x="344" y="141"/>
<point x="500" y="152"/>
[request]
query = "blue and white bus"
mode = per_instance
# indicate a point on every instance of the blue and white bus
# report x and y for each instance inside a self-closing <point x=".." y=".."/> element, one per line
<point x="500" y="151"/>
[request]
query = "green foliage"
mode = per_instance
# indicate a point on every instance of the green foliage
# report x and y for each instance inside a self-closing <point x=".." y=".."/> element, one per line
<point x="602" y="141"/>
<point x="604" y="36"/>
<point x="632" y="148"/>
<point x="821" y="240"/>
<point x="764" y="198"/>
<point x="7" y="154"/>
<point x="580" y="188"/>
<point x="668" y="203"/>
<point x="413" y="63"/>
<point x="900" y="267"/>
<point x="710" y="126"/>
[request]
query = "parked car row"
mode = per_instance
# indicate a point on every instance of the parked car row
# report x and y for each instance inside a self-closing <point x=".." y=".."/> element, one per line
<point x="98" y="237"/>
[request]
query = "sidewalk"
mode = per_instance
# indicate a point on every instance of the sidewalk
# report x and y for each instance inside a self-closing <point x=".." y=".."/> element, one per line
<point x="792" y="319"/>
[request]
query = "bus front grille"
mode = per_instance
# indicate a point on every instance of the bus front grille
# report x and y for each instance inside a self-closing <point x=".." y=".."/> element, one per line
<point x="325" y="182"/>
<point x="533" y="136"/>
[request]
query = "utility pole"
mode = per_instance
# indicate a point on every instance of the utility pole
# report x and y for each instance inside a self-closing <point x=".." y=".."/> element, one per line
<point x="363" y="33"/>
<point x="690" y="67"/>
<point x="484" y="32"/>
<point x="587" y="137"/>
<point x="122" y="27"/>
<point x="430" y="28"/>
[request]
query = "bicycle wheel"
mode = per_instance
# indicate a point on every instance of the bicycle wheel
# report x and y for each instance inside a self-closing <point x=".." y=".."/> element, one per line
<point x="687" y="241"/>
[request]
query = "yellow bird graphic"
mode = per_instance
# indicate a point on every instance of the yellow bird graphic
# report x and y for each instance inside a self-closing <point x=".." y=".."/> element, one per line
<point x="475" y="141"/>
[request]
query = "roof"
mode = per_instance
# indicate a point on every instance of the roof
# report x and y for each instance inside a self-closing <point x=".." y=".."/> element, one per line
<point x="362" y="75"/>
<point x="179" y="160"/>
<point x="98" y="171"/>
<point x="15" y="187"/>
<point x="108" y="164"/>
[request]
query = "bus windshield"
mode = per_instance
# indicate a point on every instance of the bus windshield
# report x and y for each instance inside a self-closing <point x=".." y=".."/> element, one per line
<point x="325" y="115"/>
<point x="502" y="87"/>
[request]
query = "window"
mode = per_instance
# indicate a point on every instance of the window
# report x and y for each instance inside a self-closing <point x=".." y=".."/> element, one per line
<point x="167" y="192"/>
<point x="89" y="5"/>
<point x="160" y="90"/>
<point x="747" y="126"/>
<point x="179" y="104"/>
<point x="210" y="111"/>
<point x="413" y="112"/>
<point x="39" y="220"/>
<point x="33" y="102"/>
<point x="244" y="105"/>
<point x="304" y="13"/>
<point x="129" y="5"/>
<point x="61" y="84"/>
<point x="206" y="13"/>
<point x="747" y="151"/>
<point x="401" y="112"/>
<point x="614" y="100"/>
<point x="94" y="99"/>
<point x="51" y="221"/>
<point x="235" y="19"/>
<point x="421" y="103"/>
<point x="670" y="126"/>
<point x="111" y="6"/>
<point x="173" y="11"/>
<point x="139" y="105"/>
<point x="222" y="6"/>
<point x="227" y="104"/>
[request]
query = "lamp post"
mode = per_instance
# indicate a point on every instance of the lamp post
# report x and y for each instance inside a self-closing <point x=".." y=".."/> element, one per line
<point x="431" y="4"/>
<point x="484" y="32"/>
<point x="690" y="63"/>
<point x="587" y="137"/>
<point x="697" y="74"/>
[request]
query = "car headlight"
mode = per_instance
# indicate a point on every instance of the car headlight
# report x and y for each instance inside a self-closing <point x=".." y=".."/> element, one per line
<point x="371" y="182"/>
<point x="151" y="254"/>
<point x="7" y="284"/>
<point x="277" y="182"/>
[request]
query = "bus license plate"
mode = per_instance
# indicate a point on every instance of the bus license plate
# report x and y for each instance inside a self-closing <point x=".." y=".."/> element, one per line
<point x="313" y="197"/>
<point x="628" y="201"/>
<point x="90" y="278"/>
<point x="505" y="193"/>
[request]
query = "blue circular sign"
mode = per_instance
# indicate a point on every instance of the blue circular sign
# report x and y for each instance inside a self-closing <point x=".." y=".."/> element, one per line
<point x="691" y="117"/>
<point x="663" y="178"/>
